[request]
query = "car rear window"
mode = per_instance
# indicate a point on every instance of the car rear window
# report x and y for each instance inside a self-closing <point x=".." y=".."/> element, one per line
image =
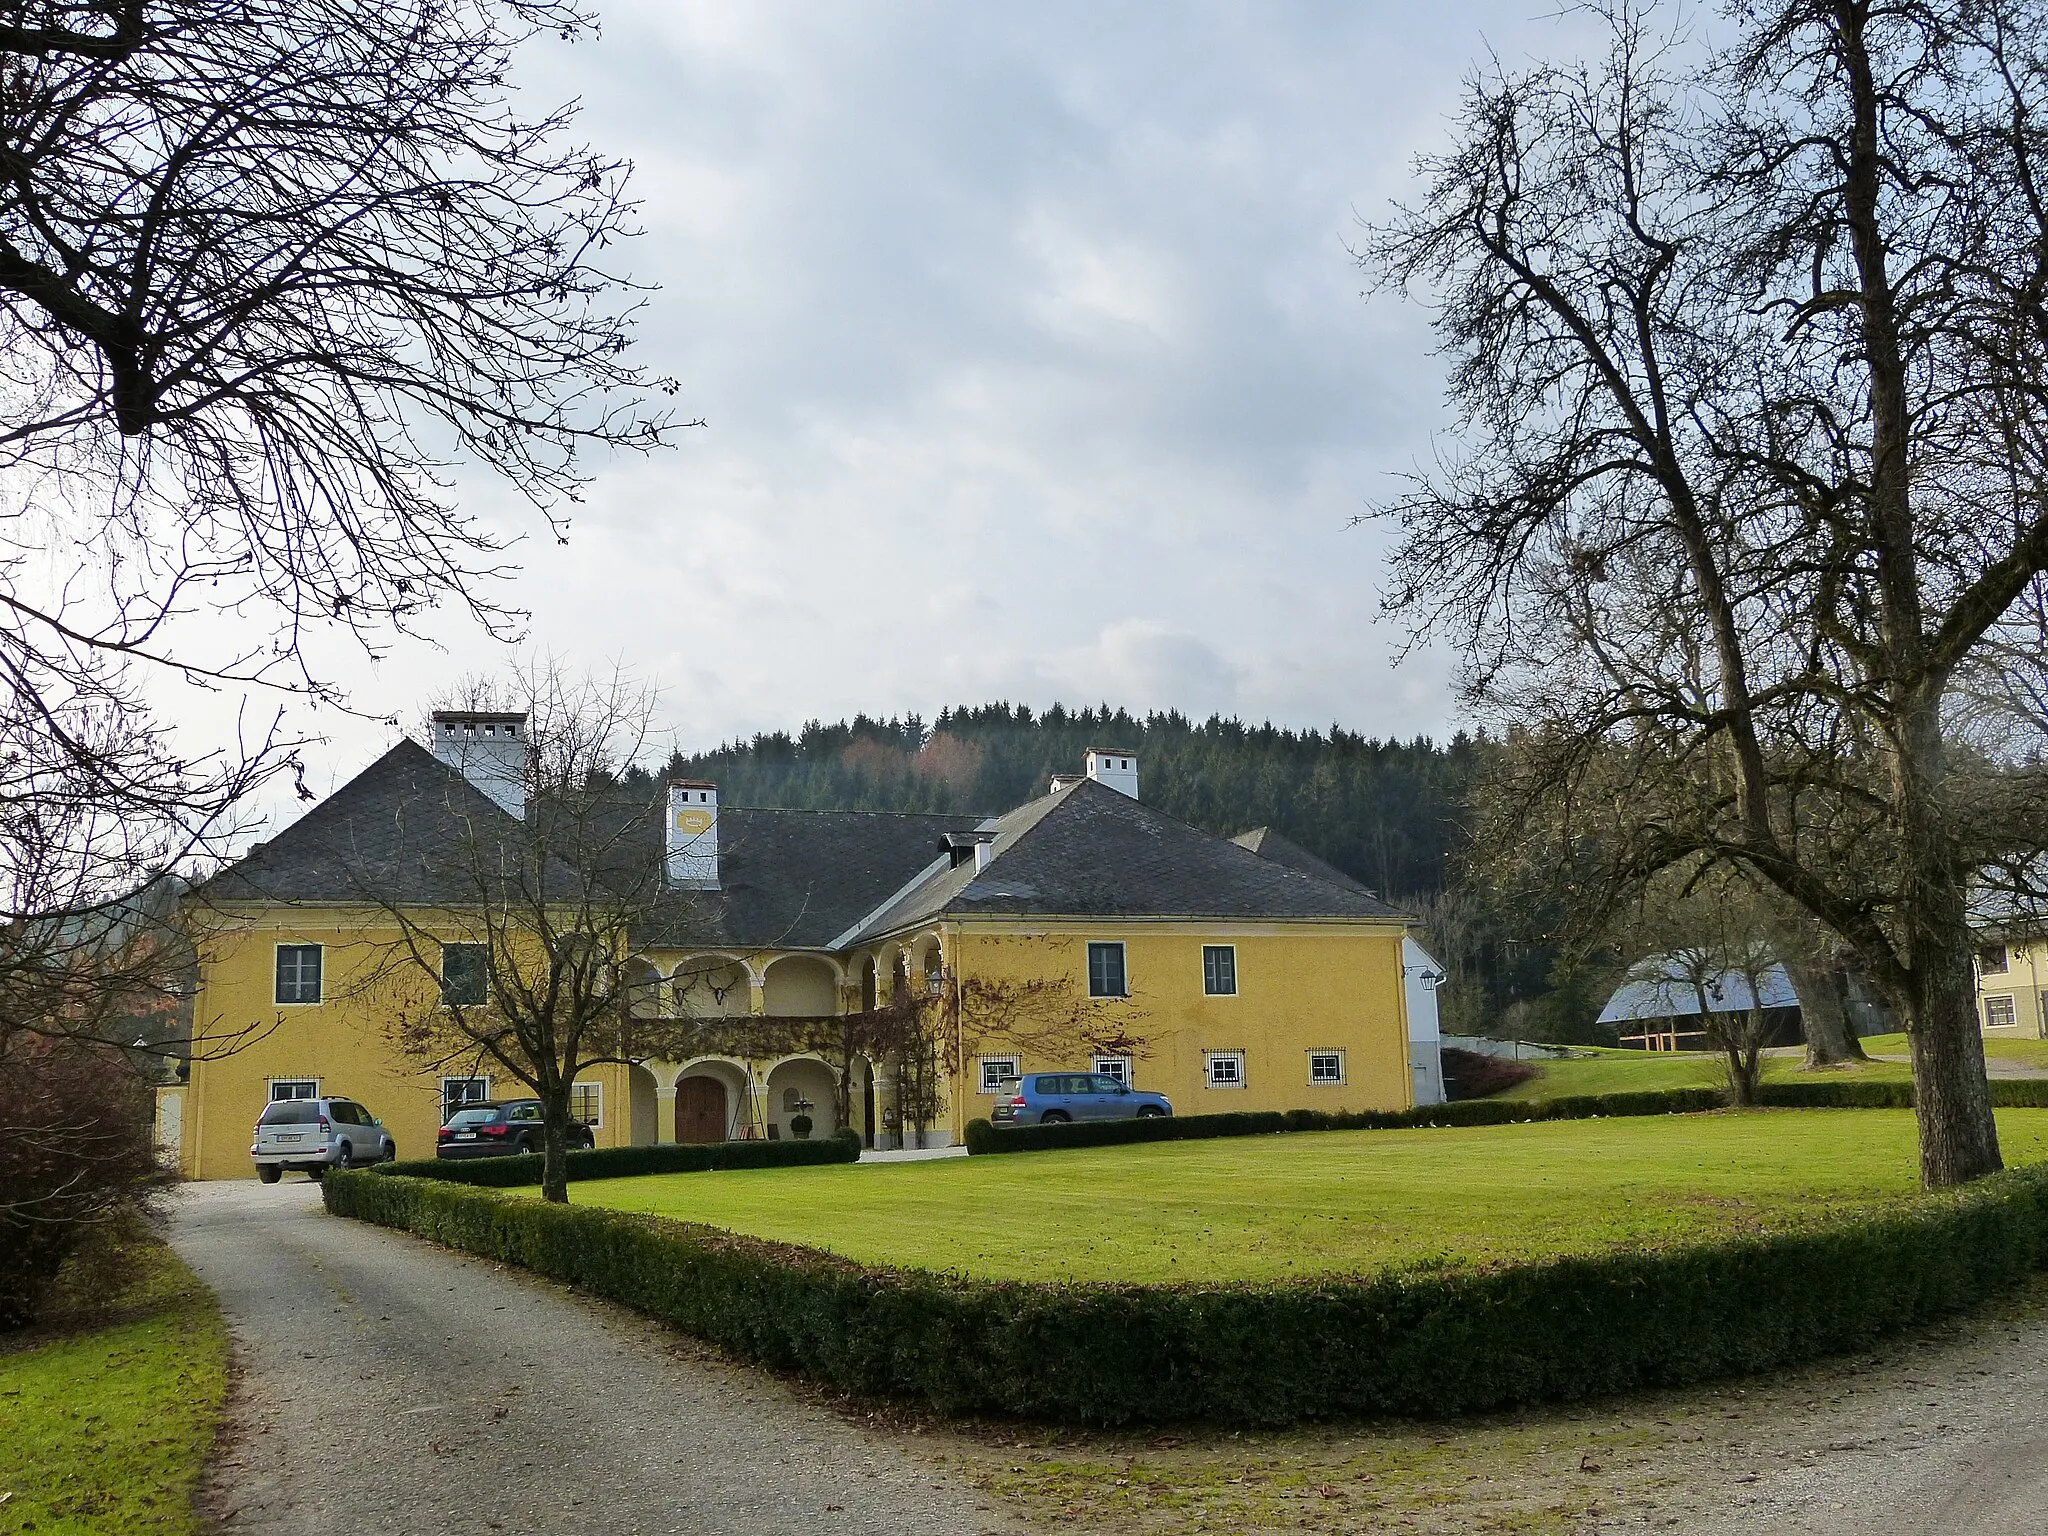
<point x="291" y="1112"/>
<point x="463" y="1117"/>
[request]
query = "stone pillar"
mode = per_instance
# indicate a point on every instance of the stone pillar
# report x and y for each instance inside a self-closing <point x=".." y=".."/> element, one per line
<point x="665" y="1114"/>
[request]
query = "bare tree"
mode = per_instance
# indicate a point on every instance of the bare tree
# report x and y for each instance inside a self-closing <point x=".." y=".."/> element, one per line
<point x="269" y="271"/>
<point x="1705" y="937"/>
<point x="1748" y="343"/>
<point x="514" y="933"/>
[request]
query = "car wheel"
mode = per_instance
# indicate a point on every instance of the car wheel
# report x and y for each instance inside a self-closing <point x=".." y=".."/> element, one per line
<point x="1055" y="1117"/>
<point x="1150" y="1112"/>
<point x="316" y="1171"/>
<point x="525" y="1145"/>
<point x="269" y="1173"/>
<point x="390" y="1151"/>
<point x="344" y="1157"/>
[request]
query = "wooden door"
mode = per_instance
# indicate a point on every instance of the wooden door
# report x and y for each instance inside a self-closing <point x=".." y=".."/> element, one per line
<point x="700" y="1109"/>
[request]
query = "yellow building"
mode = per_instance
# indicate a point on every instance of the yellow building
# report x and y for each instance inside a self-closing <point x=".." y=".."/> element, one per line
<point x="2012" y="984"/>
<point x="1083" y="930"/>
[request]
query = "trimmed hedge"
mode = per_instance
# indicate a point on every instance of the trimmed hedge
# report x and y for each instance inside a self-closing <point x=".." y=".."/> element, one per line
<point x="982" y="1137"/>
<point x="2006" y="1093"/>
<point x="521" y="1168"/>
<point x="1413" y="1342"/>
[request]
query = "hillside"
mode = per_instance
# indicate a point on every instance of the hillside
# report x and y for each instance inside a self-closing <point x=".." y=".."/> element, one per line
<point x="1387" y="812"/>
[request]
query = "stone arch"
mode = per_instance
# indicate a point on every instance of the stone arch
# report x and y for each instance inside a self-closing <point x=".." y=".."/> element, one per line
<point x="800" y="986"/>
<point x="802" y="1085"/>
<point x="712" y="985"/>
<point x="870" y="984"/>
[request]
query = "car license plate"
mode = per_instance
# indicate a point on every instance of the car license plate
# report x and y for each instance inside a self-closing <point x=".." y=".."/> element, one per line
<point x="291" y="1138"/>
<point x="465" y="1135"/>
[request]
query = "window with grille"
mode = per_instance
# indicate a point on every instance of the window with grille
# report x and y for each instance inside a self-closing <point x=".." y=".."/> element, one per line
<point x="465" y="975"/>
<point x="1326" y="1068"/>
<point x="998" y="1070"/>
<point x="1118" y="1067"/>
<point x="1106" y="971"/>
<point x="1223" y="1069"/>
<point x="1999" y="1013"/>
<point x="294" y="1088"/>
<point x="298" y="973"/>
<point x="1219" y="970"/>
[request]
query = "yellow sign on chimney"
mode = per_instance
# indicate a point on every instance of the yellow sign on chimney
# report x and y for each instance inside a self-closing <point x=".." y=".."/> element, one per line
<point x="693" y="821"/>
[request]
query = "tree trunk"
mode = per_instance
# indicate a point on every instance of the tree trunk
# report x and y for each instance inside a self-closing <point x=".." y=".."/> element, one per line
<point x="1958" y="1136"/>
<point x="554" y="1146"/>
<point x="1823" y="1012"/>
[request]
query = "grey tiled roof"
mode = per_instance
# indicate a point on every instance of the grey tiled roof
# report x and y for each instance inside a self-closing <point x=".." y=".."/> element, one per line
<point x="1088" y="851"/>
<point x="1268" y="844"/>
<point x="408" y="830"/>
<point x="799" y="879"/>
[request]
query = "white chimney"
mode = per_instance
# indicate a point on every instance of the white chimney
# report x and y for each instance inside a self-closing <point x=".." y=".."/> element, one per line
<point x="693" y="835"/>
<point x="983" y="852"/>
<point x="1062" y="781"/>
<point x="489" y="750"/>
<point x="1114" y="770"/>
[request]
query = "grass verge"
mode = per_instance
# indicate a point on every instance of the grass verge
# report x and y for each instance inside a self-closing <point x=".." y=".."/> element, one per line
<point x="108" y="1408"/>
<point x="1637" y="1071"/>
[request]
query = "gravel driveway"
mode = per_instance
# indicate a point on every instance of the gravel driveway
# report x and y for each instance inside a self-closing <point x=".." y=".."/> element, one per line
<point x="385" y="1385"/>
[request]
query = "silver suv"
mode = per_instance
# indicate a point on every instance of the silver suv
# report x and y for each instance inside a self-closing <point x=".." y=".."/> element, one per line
<point x="313" y="1135"/>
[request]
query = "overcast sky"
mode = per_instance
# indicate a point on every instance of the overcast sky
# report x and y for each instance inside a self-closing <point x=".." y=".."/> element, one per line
<point x="1033" y="362"/>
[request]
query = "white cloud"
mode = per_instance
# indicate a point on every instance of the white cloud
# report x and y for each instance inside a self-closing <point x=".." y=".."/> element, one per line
<point x="1033" y="360"/>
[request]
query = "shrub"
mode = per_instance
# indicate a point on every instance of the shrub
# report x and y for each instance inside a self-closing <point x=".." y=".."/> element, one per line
<point x="2006" y="1093"/>
<point x="1476" y="1075"/>
<point x="1412" y="1342"/>
<point x="842" y="1146"/>
<point x="982" y="1137"/>
<point x="76" y="1152"/>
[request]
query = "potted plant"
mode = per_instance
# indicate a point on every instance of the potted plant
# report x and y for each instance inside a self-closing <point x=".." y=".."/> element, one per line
<point x="800" y="1122"/>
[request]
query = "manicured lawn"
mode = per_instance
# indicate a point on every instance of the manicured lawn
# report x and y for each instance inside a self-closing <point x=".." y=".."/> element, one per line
<point x="1635" y="1071"/>
<point x="1998" y="1047"/>
<point x="105" y="1429"/>
<point x="1325" y="1202"/>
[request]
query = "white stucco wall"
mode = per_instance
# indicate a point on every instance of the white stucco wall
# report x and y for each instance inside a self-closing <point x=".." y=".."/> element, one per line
<point x="1420" y="973"/>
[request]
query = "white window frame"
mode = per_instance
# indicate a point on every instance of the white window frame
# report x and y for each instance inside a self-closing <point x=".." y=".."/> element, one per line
<point x="596" y="1091"/>
<point x="1212" y="1059"/>
<point x="1336" y="1081"/>
<point x="2001" y="1003"/>
<point x="292" y="1082"/>
<point x="448" y="1109"/>
<point x="319" y="990"/>
<point x="2004" y="967"/>
<point x="1123" y="968"/>
<point x="1118" y="1067"/>
<point x="1233" y="970"/>
<point x="993" y="1082"/>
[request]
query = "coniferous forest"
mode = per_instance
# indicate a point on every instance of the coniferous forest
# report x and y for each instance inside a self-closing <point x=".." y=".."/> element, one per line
<point x="1389" y="813"/>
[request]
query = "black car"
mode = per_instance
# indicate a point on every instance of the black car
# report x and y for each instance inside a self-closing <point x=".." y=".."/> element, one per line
<point x="499" y="1130"/>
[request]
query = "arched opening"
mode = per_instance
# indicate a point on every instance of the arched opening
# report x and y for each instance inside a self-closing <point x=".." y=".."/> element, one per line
<point x="711" y="1102"/>
<point x="869" y="985"/>
<point x="643" y="988"/>
<point x="801" y="1088"/>
<point x="800" y="987"/>
<point x="930" y="967"/>
<point x="644" y="1107"/>
<point x="711" y="987"/>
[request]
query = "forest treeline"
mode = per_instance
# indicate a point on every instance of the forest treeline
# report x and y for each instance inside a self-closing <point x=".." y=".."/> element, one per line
<point x="1392" y="814"/>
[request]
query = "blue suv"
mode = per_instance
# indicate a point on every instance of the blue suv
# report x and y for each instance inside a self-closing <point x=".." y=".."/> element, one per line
<point x="1057" y="1098"/>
